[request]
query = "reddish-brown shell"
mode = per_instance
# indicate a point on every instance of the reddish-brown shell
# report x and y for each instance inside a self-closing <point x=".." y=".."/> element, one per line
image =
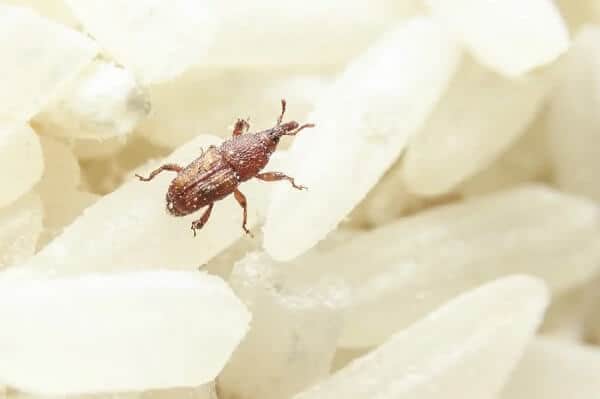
<point x="207" y="179"/>
<point x="248" y="154"/>
<point x="218" y="172"/>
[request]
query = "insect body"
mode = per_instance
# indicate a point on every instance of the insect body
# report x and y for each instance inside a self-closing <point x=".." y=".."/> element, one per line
<point x="218" y="171"/>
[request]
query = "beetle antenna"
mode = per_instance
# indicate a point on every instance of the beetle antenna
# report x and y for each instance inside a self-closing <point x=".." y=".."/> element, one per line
<point x="283" y="103"/>
<point x="294" y="132"/>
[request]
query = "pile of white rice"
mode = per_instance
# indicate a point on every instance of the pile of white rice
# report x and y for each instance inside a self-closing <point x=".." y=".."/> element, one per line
<point x="448" y="246"/>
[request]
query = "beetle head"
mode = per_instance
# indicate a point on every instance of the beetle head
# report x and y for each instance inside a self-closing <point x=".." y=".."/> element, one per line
<point x="289" y="127"/>
<point x="285" y="129"/>
<point x="282" y="130"/>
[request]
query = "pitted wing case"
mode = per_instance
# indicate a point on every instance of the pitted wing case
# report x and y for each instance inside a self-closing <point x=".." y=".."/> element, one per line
<point x="206" y="180"/>
<point x="201" y="165"/>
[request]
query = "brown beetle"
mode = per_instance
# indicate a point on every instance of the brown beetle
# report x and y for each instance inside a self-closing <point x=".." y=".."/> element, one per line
<point x="218" y="171"/>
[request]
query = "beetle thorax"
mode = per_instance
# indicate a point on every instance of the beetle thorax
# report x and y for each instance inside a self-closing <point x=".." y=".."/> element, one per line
<point x="247" y="154"/>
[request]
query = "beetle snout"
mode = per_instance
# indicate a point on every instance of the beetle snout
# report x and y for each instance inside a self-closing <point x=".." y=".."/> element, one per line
<point x="289" y="126"/>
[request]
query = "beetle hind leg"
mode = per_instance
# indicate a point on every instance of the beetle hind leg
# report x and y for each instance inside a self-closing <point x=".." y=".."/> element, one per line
<point x="170" y="167"/>
<point x="241" y="199"/>
<point x="198" y="224"/>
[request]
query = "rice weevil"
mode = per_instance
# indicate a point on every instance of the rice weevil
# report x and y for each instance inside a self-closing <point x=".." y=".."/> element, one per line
<point x="218" y="171"/>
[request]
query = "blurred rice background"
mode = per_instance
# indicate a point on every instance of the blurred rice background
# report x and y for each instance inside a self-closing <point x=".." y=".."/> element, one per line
<point x="448" y="245"/>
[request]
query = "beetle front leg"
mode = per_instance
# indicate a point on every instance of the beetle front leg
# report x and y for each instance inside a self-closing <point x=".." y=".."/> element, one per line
<point x="198" y="224"/>
<point x="241" y="199"/>
<point x="170" y="167"/>
<point x="276" y="176"/>
<point x="240" y="127"/>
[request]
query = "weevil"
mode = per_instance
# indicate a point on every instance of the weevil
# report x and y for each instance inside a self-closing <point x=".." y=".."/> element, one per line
<point x="218" y="171"/>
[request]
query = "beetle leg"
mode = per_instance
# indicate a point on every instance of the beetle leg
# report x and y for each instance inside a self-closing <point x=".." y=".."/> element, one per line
<point x="283" y="103"/>
<point x="240" y="127"/>
<point x="241" y="199"/>
<point x="170" y="167"/>
<point x="275" y="176"/>
<point x="294" y="132"/>
<point x="198" y="224"/>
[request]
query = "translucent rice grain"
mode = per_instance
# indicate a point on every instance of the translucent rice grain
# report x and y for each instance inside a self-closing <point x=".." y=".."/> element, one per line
<point x="20" y="227"/>
<point x="574" y="120"/>
<point x="86" y="149"/>
<point x="55" y="10"/>
<point x="14" y="394"/>
<point x="422" y="260"/>
<point x="311" y="32"/>
<point x="564" y="318"/>
<point x="131" y="226"/>
<point x="526" y="160"/>
<point x="438" y="356"/>
<point x="577" y="13"/>
<point x="101" y="102"/>
<point x="591" y="322"/>
<point x="363" y="125"/>
<point x="593" y="11"/>
<point x="336" y="238"/>
<point x="61" y="169"/>
<point x="117" y="332"/>
<point x="104" y="174"/>
<point x="388" y="200"/>
<point x="343" y="356"/>
<point x="509" y="36"/>
<point x="290" y="355"/>
<point x="21" y="160"/>
<point x="222" y="264"/>
<point x="62" y="211"/>
<point x="54" y="55"/>
<point x="181" y="109"/>
<point x="63" y="202"/>
<point x="206" y="391"/>
<point x="157" y="40"/>
<point x="476" y="120"/>
<point x="555" y="369"/>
